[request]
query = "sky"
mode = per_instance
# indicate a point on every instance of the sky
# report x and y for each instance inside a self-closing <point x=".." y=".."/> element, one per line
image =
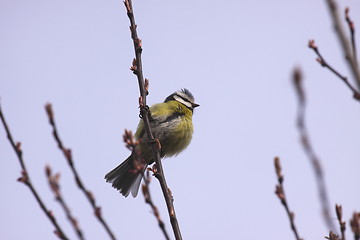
<point x="236" y="57"/>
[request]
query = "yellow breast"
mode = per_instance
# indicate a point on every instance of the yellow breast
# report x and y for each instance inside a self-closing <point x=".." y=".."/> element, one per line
<point x="171" y="123"/>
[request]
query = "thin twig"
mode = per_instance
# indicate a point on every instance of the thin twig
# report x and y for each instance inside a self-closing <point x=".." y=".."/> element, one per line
<point x="309" y="151"/>
<point x="148" y="200"/>
<point x="342" y="224"/>
<point x="131" y="143"/>
<point x="333" y="9"/>
<point x="323" y="62"/>
<point x="25" y="178"/>
<point x="332" y="236"/>
<point x="355" y="225"/>
<point x="144" y="113"/>
<point x="352" y="32"/>
<point x="68" y="156"/>
<point x="281" y="195"/>
<point x="53" y="181"/>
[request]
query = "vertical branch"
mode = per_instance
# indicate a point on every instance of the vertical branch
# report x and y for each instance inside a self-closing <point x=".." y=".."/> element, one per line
<point x="144" y="113"/>
<point x="309" y="151"/>
<point x="281" y="195"/>
<point x="25" y="178"/>
<point x="352" y="33"/>
<point x="139" y="164"/>
<point x="55" y="188"/>
<point x="148" y="200"/>
<point x="79" y="182"/>
<point x="342" y="224"/>
<point x="340" y="33"/>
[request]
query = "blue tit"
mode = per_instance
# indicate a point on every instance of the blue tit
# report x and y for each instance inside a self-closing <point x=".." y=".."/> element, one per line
<point x="171" y="124"/>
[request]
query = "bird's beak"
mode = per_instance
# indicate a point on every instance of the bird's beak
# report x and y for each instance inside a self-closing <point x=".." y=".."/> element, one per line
<point x="194" y="105"/>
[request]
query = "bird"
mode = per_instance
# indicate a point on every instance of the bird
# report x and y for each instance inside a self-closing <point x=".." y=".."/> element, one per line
<point x="171" y="124"/>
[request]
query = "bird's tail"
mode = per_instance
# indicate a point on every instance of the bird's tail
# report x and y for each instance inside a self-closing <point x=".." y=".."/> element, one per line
<point x="126" y="177"/>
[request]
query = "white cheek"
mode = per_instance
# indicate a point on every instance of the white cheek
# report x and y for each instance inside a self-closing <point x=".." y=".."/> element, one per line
<point x="179" y="99"/>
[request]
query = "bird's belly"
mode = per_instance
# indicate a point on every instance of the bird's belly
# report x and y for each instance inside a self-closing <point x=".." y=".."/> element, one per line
<point x="175" y="136"/>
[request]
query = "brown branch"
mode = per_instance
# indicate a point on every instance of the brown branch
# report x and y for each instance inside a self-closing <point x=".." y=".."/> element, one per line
<point x="281" y="195"/>
<point x="340" y="33"/>
<point x="323" y="62"/>
<point x="309" y="151"/>
<point x="342" y="224"/>
<point x="144" y="113"/>
<point x="139" y="163"/>
<point x="53" y="181"/>
<point x="352" y="33"/>
<point x="332" y="236"/>
<point x="68" y="156"/>
<point x="129" y="140"/>
<point x="25" y="178"/>
<point x="148" y="200"/>
<point x="131" y="143"/>
<point x="355" y="225"/>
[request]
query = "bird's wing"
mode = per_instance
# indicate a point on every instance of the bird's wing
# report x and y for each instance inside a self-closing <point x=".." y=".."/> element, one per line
<point x="159" y="113"/>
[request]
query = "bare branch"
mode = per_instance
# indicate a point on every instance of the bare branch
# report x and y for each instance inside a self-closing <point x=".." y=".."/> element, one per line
<point x="309" y="151"/>
<point x="281" y="195"/>
<point x="323" y="62"/>
<point x="148" y="200"/>
<point x="25" y="178"/>
<point x="53" y="181"/>
<point x="342" y="224"/>
<point x="352" y="32"/>
<point x="144" y="113"/>
<point x="68" y="156"/>
<point x="332" y="236"/>
<point x="139" y="165"/>
<point x="340" y="33"/>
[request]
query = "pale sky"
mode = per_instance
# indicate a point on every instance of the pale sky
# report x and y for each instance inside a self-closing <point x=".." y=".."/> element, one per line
<point x="236" y="57"/>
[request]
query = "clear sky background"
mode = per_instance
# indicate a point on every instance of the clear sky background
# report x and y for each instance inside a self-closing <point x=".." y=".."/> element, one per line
<point x="235" y="56"/>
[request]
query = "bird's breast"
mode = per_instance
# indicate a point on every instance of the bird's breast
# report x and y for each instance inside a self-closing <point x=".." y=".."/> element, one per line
<point x="174" y="134"/>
